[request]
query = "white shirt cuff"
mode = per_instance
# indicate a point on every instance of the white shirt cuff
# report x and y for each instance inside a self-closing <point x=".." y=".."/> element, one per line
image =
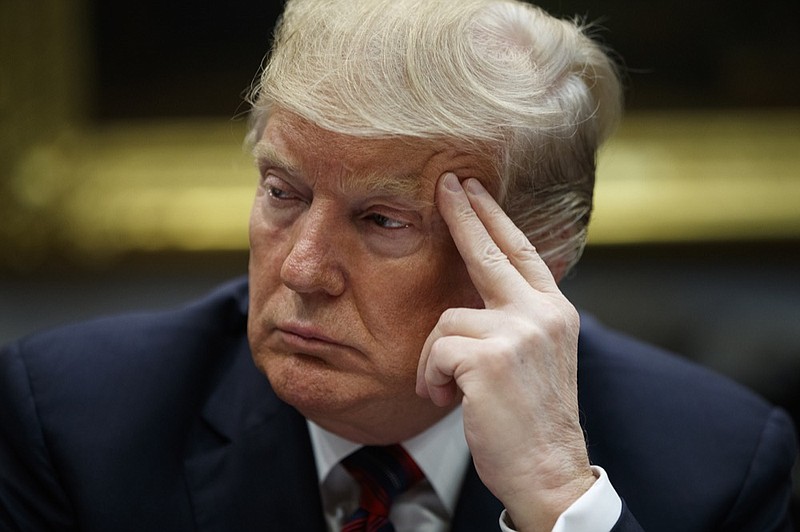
<point x="597" y="510"/>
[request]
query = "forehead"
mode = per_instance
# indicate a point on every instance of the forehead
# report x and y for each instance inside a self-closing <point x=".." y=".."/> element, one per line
<point x="402" y="163"/>
<point x="298" y="145"/>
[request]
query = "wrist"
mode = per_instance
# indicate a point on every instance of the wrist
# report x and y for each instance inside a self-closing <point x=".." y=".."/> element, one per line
<point x="539" y="509"/>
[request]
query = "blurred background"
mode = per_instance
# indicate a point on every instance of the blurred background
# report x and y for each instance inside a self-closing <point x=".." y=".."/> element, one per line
<point x="124" y="184"/>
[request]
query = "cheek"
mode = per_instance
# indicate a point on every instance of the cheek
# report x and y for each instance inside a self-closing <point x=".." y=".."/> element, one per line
<point x="267" y="245"/>
<point x="411" y="304"/>
<point x="449" y="284"/>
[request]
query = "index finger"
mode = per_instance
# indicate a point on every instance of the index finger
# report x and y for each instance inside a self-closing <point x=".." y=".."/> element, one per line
<point x="492" y="272"/>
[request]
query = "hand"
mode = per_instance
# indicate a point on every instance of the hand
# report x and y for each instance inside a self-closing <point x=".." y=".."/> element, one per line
<point x="514" y="362"/>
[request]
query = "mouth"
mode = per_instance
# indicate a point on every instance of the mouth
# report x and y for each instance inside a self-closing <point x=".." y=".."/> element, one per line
<point x="308" y="334"/>
<point x="309" y="341"/>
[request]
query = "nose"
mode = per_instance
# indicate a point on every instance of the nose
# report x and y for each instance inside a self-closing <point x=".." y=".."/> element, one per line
<point x="313" y="264"/>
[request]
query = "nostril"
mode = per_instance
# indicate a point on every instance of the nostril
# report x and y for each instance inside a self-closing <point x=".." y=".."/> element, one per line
<point x="312" y="269"/>
<point x="313" y="262"/>
<point x="299" y="270"/>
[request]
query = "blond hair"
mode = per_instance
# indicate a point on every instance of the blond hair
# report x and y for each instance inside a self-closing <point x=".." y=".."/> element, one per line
<point x="501" y="77"/>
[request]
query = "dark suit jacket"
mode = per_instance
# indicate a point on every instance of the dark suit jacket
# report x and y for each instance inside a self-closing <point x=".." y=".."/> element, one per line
<point x="161" y="422"/>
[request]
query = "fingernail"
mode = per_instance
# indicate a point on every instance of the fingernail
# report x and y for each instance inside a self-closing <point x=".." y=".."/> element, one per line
<point x="473" y="186"/>
<point x="451" y="182"/>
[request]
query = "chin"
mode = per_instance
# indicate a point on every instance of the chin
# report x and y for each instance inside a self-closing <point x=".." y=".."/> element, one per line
<point x="314" y="387"/>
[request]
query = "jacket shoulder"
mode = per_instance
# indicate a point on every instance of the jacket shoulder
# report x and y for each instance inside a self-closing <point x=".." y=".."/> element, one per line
<point x="223" y="309"/>
<point x="87" y="405"/>
<point x="672" y="434"/>
<point x="134" y="359"/>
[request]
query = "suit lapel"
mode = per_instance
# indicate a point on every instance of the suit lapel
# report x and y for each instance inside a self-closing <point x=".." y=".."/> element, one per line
<point x="477" y="508"/>
<point x="249" y="463"/>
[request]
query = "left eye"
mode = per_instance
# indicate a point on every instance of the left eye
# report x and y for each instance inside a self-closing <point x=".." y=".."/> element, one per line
<point x="278" y="193"/>
<point x="386" y="222"/>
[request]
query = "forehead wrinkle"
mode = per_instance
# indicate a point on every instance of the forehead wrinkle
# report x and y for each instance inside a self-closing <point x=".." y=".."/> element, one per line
<point x="376" y="183"/>
<point x="403" y="183"/>
<point x="407" y="186"/>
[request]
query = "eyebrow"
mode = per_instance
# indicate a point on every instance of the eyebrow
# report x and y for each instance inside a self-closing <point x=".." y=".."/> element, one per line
<point x="406" y="186"/>
<point x="266" y="153"/>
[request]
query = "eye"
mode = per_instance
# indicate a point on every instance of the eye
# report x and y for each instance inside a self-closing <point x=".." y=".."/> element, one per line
<point x="386" y="222"/>
<point x="278" y="193"/>
<point x="277" y="189"/>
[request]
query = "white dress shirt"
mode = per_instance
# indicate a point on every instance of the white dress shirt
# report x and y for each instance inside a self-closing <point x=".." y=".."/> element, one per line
<point x="429" y="506"/>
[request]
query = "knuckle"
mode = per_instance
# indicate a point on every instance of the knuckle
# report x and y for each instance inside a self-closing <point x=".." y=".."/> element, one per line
<point x="448" y="320"/>
<point x="521" y="247"/>
<point x="464" y="215"/>
<point x="562" y="322"/>
<point x="439" y="346"/>
<point x="491" y="254"/>
<point x="492" y="261"/>
<point x="502" y="359"/>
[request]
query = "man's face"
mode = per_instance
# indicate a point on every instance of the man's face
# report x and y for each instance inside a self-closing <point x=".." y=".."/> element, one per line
<point x="350" y="268"/>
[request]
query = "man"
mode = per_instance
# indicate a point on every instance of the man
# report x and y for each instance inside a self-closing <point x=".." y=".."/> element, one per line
<point x="411" y="155"/>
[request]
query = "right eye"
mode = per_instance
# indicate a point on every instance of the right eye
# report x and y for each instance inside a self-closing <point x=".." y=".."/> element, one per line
<point x="278" y="193"/>
<point x="277" y="189"/>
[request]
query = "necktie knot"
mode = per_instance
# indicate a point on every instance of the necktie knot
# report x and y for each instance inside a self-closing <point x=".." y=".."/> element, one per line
<point x="383" y="472"/>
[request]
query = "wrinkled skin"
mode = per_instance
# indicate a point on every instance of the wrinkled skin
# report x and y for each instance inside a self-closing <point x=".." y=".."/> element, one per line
<point x="387" y="285"/>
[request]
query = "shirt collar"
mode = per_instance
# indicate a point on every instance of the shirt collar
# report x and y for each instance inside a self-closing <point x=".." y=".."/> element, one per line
<point x="440" y="451"/>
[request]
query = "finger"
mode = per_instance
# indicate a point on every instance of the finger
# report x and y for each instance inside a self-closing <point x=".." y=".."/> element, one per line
<point x="472" y="323"/>
<point x="422" y="386"/>
<point x="509" y="238"/>
<point x="493" y="275"/>
<point x="425" y="389"/>
<point x="447" y="356"/>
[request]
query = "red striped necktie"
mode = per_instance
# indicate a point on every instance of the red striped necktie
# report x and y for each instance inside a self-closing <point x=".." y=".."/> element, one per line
<point x="383" y="473"/>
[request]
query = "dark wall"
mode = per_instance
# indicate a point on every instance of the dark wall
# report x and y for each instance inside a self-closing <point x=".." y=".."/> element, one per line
<point x="180" y="58"/>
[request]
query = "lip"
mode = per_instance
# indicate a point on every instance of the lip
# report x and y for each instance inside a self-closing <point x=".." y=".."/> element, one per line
<point x="309" y="341"/>
<point x="296" y="333"/>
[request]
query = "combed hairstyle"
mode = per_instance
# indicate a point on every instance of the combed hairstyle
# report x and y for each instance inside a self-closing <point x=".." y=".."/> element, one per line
<point x="501" y="78"/>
